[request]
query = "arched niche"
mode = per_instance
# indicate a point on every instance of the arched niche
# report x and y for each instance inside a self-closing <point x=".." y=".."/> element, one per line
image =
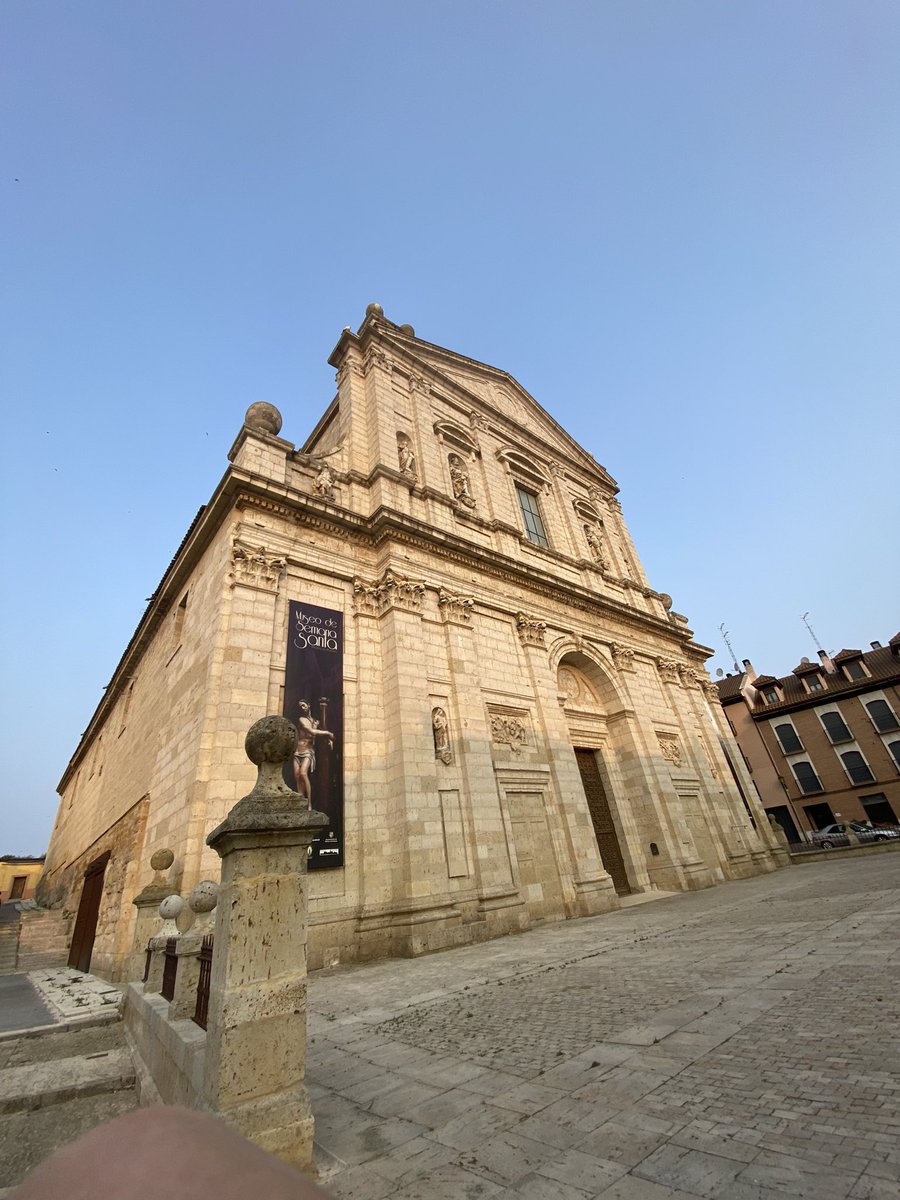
<point x="587" y="511"/>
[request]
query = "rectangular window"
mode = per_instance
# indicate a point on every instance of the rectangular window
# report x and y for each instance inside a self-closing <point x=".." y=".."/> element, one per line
<point x="813" y="683"/>
<point x="806" y="777"/>
<point x="854" y="670"/>
<point x="835" y="727"/>
<point x="882" y="717"/>
<point x="857" y="767"/>
<point x="787" y="735"/>
<point x="531" y="515"/>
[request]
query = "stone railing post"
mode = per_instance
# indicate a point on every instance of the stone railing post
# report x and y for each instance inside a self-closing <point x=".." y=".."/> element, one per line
<point x="256" y="1030"/>
<point x="147" y="903"/>
<point x="201" y="902"/>
<point x="169" y="910"/>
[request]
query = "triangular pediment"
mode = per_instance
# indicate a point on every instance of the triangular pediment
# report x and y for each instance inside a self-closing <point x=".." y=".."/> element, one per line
<point x="495" y="395"/>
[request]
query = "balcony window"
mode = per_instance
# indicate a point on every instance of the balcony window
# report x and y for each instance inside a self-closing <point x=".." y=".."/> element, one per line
<point x="894" y="748"/>
<point x="835" y="727"/>
<point x="806" y="777"/>
<point x="882" y="717"/>
<point x="856" y="767"/>
<point x="787" y="735"/>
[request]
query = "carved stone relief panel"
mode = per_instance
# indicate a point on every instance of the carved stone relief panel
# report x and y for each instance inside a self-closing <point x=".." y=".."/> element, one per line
<point x="670" y="748"/>
<point x="509" y="727"/>
<point x="576" y="690"/>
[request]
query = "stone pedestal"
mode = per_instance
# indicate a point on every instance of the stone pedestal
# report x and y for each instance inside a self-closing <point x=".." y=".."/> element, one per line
<point x="256" y="1043"/>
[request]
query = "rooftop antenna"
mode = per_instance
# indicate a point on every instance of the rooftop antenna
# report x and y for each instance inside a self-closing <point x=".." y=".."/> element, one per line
<point x="812" y="633"/>
<point x="724" y="633"/>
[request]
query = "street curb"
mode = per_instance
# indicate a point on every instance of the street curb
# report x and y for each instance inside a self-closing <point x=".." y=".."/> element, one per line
<point x="85" y="1022"/>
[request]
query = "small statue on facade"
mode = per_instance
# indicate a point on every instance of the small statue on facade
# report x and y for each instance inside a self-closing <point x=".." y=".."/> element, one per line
<point x="460" y="477"/>
<point x="440" y="728"/>
<point x="324" y="482"/>
<point x="405" y="455"/>
<point x="595" y="545"/>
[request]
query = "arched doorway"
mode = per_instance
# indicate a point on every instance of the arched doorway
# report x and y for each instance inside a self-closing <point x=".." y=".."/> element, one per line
<point x="586" y="716"/>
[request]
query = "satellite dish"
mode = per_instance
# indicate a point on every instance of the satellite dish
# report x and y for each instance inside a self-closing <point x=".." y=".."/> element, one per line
<point x="719" y="672"/>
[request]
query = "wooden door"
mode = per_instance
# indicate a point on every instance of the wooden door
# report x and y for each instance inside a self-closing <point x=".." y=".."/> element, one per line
<point x="598" y="805"/>
<point x="88" y="912"/>
<point x="18" y="887"/>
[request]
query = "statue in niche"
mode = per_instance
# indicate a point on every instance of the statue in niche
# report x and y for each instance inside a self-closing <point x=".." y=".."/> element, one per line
<point x="595" y="545"/>
<point x="460" y="476"/>
<point x="440" y="729"/>
<point x="324" y="482"/>
<point x="405" y="455"/>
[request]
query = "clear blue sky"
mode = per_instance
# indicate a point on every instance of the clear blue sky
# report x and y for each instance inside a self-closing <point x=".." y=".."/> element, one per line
<point x="676" y="223"/>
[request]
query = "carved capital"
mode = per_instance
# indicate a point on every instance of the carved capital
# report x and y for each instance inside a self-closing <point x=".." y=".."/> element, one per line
<point x="623" y="656"/>
<point x="457" y="609"/>
<point x="690" y="677"/>
<point x="348" y="368"/>
<point x="668" y="669"/>
<point x="670" y="748"/>
<point x="255" y="567"/>
<point x="392" y="591"/>
<point x="531" y="631"/>
<point x="710" y="691"/>
<point x="557" y="470"/>
<point x="477" y="421"/>
<point x="377" y="358"/>
<point x="419" y="384"/>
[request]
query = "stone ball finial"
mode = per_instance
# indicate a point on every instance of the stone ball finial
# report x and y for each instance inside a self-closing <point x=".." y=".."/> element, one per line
<point x="374" y="310"/>
<point x="666" y="600"/>
<point x="270" y="740"/>
<point x="171" y="908"/>
<point x="161" y="860"/>
<point x="204" y="897"/>
<point x="408" y="329"/>
<point x="264" y="418"/>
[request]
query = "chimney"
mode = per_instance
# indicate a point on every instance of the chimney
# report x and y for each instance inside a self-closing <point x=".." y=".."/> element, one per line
<point x="748" y="667"/>
<point x="826" y="662"/>
<point x="875" y="645"/>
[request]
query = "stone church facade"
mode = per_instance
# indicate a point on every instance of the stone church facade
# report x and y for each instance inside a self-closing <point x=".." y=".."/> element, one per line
<point x="528" y="729"/>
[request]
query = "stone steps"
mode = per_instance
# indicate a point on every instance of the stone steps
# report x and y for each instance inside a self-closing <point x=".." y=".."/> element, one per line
<point x="9" y="947"/>
<point x="44" y="940"/>
<point x="57" y="1084"/>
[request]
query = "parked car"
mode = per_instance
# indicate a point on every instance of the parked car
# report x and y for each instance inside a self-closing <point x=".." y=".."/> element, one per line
<point x="836" y="835"/>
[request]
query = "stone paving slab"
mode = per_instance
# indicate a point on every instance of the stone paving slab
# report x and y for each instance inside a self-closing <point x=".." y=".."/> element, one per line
<point x="21" y="1006"/>
<point x="73" y="994"/>
<point x="737" y="1043"/>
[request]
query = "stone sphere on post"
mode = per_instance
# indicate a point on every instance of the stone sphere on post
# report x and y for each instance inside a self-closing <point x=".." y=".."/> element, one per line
<point x="202" y="901"/>
<point x="170" y="910"/>
<point x="264" y="418"/>
<point x="161" y="860"/>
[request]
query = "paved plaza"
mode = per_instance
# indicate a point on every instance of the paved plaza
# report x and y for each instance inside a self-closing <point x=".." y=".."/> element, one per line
<point x="738" y="1043"/>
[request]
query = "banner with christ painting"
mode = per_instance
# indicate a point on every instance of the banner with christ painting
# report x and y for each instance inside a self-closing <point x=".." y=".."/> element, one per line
<point x="314" y="702"/>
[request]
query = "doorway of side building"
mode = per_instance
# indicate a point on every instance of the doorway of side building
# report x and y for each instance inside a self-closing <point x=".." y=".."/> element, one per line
<point x="18" y="887"/>
<point x="88" y="911"/>
<point x="820" y="815"/>
<point x="878" y="809"/>
<point x="604" y="826"/>
<point x="782" y="815"/>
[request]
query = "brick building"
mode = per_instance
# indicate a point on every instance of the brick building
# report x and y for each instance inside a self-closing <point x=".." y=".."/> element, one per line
<point x="505" y="723"/>
<point x="823" y="743"/>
